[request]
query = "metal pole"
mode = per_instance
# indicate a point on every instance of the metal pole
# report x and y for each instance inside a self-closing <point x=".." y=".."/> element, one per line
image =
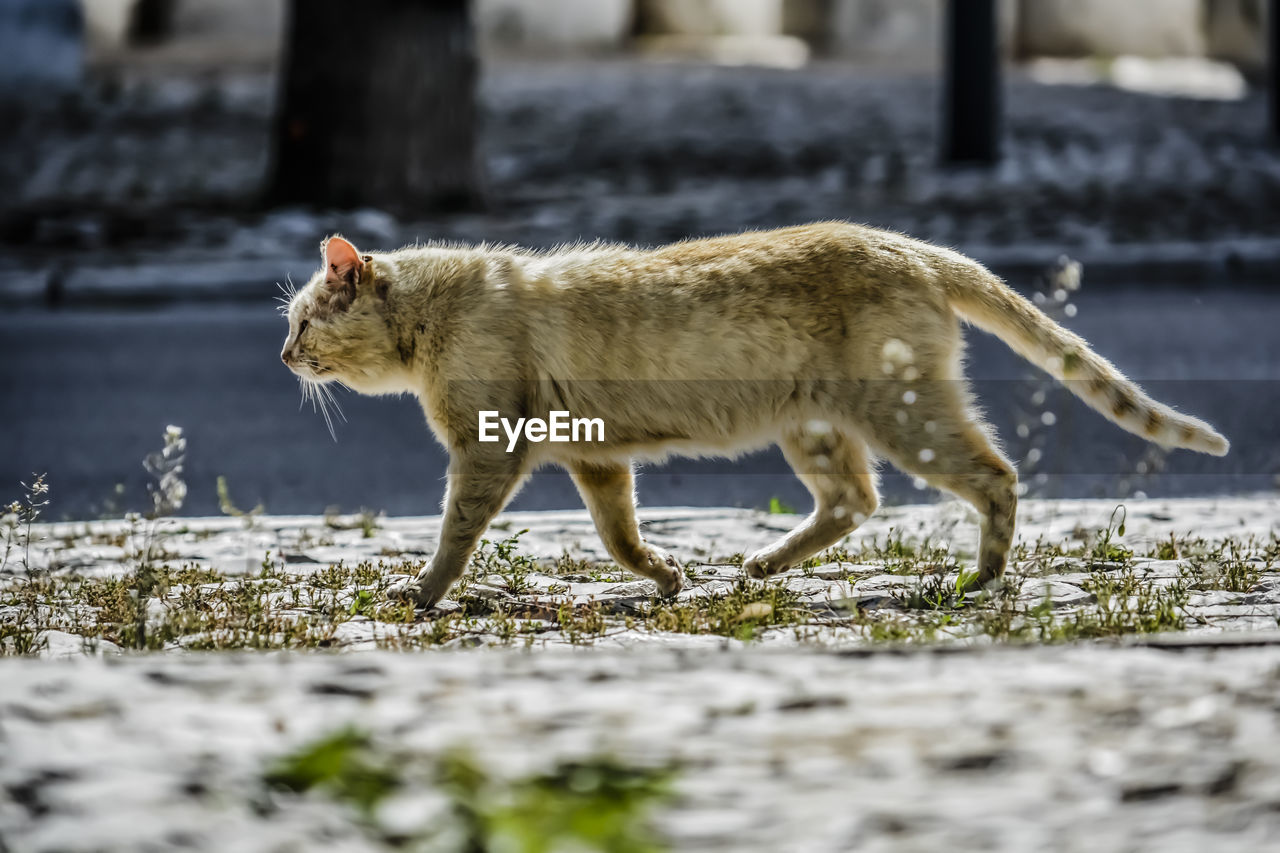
<point x="971" y="108"/>
<point x="1273" y="67"/>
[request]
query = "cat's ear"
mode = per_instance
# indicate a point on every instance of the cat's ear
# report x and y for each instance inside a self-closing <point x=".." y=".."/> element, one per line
<point x="342" y="262"/>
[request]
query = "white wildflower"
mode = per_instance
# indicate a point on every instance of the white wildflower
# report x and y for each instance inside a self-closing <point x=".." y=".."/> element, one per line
<point x="1070" y="273"/>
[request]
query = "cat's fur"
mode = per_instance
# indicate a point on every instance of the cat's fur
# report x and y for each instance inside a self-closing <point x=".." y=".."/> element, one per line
<point x="838" y="342"/>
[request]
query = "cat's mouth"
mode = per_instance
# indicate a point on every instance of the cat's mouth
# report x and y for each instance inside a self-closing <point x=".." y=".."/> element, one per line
<point x="311" y="371"/>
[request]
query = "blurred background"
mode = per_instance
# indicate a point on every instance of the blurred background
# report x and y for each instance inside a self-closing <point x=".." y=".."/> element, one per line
<point x="165" y="163"/>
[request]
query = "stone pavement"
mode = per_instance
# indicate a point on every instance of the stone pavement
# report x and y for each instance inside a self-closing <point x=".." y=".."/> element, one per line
<point x="826" y="732"/>
<point x="1062" y="749"/>
<point x="1218" y="556"/>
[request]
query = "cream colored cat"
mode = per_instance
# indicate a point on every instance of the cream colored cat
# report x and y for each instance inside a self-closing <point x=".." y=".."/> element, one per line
<point x="838" y="342"/>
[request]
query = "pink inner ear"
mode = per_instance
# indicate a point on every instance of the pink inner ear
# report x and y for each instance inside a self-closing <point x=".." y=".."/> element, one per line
<point x="341" y="260"/>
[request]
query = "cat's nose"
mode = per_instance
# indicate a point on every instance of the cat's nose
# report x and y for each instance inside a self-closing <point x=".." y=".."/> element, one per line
<point x="287" y="357"/>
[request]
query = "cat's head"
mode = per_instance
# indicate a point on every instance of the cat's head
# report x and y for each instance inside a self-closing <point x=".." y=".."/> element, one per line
<point x="339" y="324"/>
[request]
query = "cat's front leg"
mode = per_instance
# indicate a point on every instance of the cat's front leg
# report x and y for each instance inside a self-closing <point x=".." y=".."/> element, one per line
<point x="480" y="482"/>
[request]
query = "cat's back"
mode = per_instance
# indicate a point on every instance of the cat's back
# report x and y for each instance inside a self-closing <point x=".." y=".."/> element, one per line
<point x="797" y="266"/>
<point x="760" y="302"/>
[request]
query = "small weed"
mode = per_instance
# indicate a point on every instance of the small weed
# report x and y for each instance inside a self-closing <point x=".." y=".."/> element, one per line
<point x="18" y="518"/>
<point x="777" y="507"/>
<point x="1003" y="618"/>
<point x="933" y="592"/>
<point x="1104" y="548"/>
<point x="1225" y="568"/>
<point x="567" y="564"/>
<point x="600" y="574"/>
<point x="501" y="558"/>
<point x="229" y="507"/>
<point x="582" y="624"/>
<point x="892" y="629"/>
<point x="344" y="766"/>
<point x="897" y="555"/>
<point x="743" y="611"/>
<point x="366" y="521"/>
<point x="596" y="804"/>
<point x="441" y="630"/>
<point x="1167" y="549"/>
<point x="362" y="603"/>
<point x="1125" y="605"/>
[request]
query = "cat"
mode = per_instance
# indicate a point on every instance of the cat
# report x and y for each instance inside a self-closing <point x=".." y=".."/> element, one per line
<point x="839" y="342"/>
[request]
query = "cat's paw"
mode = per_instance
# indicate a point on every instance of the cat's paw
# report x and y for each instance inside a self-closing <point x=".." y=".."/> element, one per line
<point x="670" y="584"/>
<point x="759" y="566"/>
<point x="402" y="590"/>
<point x="421" y="594"/>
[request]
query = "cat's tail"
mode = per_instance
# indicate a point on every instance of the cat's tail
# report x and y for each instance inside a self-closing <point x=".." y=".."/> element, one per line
<point x="991" y="305"/>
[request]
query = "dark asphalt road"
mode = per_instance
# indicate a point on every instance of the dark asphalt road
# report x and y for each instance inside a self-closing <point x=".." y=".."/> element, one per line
<point x="85" y="395"/>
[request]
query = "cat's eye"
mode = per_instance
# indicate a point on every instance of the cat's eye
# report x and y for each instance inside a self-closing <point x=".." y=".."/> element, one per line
<point x="302" y="327"/>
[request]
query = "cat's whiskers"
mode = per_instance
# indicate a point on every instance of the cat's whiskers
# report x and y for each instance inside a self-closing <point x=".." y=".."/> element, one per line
<point x="288" y="291"/>
<point x="326" y="391"/>
<point x="320" y="395"/>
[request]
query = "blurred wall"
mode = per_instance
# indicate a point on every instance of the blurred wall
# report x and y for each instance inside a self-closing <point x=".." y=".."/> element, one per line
<point x="541" y="24"/>
<point x="262" y="19"/>
<point x="712" y="17"/>
<point x="902" y="32"/>
<point x="1110" y="28"/>
<point x="531" y="24"/>
<point x="892" y="33"/>
<point x="239" y="28"/>
<point x="107" y="22"/>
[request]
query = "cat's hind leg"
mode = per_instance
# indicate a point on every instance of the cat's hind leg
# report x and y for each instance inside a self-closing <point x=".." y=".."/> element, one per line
<point x="937" y="438"/>
<point x="835" y="468"/>
<point x="608" y="489"/>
